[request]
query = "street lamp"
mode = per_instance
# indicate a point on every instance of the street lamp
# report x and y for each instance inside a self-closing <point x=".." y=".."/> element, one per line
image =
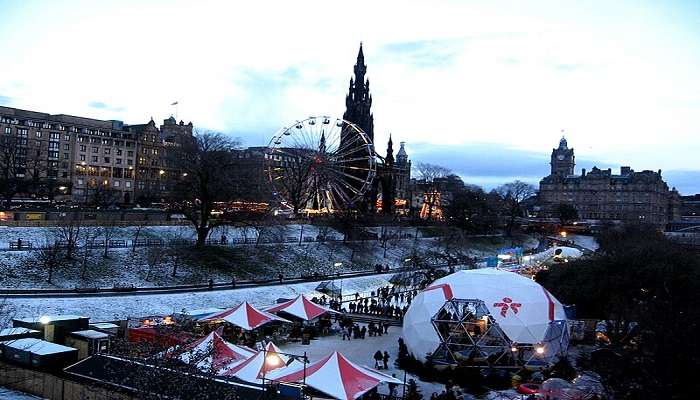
<point x="274" y="361"/>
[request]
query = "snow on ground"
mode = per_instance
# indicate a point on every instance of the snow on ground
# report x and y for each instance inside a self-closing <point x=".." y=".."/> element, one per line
<point x="585" y="241"/>
<point x="135" y="306"/>
<point x="9" y="394"/>
<point x="39" y="235"/>
<point x="124" y="267"/>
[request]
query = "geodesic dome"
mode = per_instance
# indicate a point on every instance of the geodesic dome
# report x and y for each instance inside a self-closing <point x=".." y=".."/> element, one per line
<point x="486" y="317"/>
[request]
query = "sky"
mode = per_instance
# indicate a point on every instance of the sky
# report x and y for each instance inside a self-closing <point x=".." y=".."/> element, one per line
<point x="484" y="88"/>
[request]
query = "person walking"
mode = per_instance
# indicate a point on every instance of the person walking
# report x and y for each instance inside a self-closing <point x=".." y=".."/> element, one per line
<point x="385" y="359"/>
<point x="378" y="357"/>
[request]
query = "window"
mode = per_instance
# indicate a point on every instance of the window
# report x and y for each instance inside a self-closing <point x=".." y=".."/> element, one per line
<point x="82" y="157"/>
<point x="53" y="154"/>
<point x="66" y="146"/>
<point x="66" y="156"/>
<point x="95" y="149"/>
<point x="129" y="162"/>
<point x="130" y="153"/>
<point x="116" y="183"/>
<point x="54" y="136"/>
<point x="119" y="160"/>
<point x="107" y="159"/>
<point x="80" y="181"/>
<point x="127" y="184"/>
<point x="8" y="130"/>
<point x="66" y="137"/>
<point x="94" y="158"/>
<point x="83" y="147"/>
<point x="53" y="146"/>
<point x="22" y="132"/>
<point x="108" y="150"/>
<point x="38" y="134"/>
<point x="119" y="152"/>
<point x="81" y="138"/>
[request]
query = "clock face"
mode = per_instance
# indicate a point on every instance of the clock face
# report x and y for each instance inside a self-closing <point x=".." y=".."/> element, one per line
<point x="560" y="157"/>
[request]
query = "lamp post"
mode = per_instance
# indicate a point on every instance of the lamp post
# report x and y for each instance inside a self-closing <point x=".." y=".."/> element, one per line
<point x="274" y="361"/>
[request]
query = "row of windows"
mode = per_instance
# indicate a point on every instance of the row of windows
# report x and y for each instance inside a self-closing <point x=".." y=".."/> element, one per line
<point x="116" y="184"/>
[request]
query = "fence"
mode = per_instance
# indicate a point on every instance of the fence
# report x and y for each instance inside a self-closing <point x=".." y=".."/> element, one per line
<point x="51" y="387"/>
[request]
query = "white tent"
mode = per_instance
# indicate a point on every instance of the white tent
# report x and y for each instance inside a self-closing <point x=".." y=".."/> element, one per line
<point x="255" y="368"/>
<point x="245" y="316"/>
<point x="301" y="307"/>
<point x="336" y="376"/>
<point x="210" y="353"/>
<point x="510" y="308"/>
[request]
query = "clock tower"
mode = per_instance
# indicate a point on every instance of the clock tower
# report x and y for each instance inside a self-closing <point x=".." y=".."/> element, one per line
<point x="562" y="160"/>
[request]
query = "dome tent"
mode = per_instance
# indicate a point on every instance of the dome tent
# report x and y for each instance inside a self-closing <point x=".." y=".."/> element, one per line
<point x="486" y="316"/>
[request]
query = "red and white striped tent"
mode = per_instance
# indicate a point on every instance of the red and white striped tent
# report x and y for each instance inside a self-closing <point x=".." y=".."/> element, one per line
<point x="336" y="376"/>
<point x="301" y="307"/>
<point x="210" y="353"/>
<point x="258" y="365"/>
<point x="245" y="316"/>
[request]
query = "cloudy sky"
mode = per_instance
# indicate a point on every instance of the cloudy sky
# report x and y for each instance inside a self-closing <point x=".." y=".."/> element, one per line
<point x="482" y="87"/>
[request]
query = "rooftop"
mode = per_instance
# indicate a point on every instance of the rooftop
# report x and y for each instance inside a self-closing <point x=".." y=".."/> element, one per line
<point x="37" y="346"/>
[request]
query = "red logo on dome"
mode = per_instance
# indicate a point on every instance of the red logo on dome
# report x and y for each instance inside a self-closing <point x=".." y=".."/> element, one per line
<point x="507" y="304"/>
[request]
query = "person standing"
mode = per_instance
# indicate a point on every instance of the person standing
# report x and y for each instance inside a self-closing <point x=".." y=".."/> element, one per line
<point x="385" y="359"/>
<point x="378" y="357"/>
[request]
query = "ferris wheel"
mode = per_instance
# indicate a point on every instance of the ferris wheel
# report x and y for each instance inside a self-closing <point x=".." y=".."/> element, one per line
<point x="320" y="165"/>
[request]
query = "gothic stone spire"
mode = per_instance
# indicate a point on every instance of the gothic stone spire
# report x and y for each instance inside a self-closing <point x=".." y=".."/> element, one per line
<point x="358" y="102"/>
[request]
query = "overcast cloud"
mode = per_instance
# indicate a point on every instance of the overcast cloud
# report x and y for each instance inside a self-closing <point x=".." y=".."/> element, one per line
<point x="483" y="87"/>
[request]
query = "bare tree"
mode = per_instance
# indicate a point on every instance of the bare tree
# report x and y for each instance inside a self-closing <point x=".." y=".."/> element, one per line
<point x="296" y="180"/>
<point x="174" y="248"/>
<point x="49" y="255"/>
<point x="154" y="256"/>
<point x="69" y="231"/>
<point x="430" y="175"/>
<point x="102" y="194"/>
<point x="512" y="195"/>
<point x="109" y="230"/>
<point x="89" y="236"/>
<point x="19" y="170"/>
<point x="138" y="230"/>
<point x="205" y="173"/>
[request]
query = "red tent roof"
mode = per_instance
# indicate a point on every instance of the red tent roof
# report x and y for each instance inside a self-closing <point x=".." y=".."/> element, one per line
<point x="335" y="375"/>
<point x="300" y="307"/>
<point x="245" y="316"/>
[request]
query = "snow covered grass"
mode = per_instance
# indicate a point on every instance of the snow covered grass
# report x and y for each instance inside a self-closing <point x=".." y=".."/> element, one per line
<point x="135" y="306"/>
<point x="154" y="266"/>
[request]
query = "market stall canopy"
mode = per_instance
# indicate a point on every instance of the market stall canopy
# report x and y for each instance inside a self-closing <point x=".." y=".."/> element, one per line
<point x="245" y="316"/>
<point x="336" y="376"/>
<point x="300" y="307"/>
<point x="210" y="353"/>
<point x="258" y="365"/>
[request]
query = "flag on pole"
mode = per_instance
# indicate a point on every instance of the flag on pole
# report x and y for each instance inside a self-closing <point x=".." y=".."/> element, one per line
<point x="174" y="104"/>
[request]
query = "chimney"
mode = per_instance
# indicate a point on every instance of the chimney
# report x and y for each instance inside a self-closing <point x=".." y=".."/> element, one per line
<point x="625" y="170"/>
<point x="583" y="172"/>
<point x="659" y="172"/>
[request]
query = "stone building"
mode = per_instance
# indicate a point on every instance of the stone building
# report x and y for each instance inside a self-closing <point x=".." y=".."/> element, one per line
<point x="389" y="188"/>
<point x="629" y="196"/>
<point x="85" y="160"/>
